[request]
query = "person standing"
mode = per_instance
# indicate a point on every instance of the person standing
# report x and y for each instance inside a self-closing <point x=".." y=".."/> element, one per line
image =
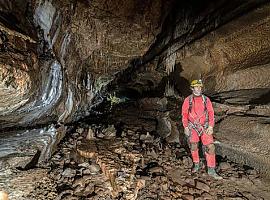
<point x="198" y="122"/>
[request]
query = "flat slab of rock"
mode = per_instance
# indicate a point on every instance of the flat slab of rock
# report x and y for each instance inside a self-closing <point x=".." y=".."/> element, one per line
<point x="246" y="142"/>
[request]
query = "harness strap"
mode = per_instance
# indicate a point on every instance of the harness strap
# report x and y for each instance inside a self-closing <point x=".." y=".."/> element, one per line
<point x="206" y="124"/>
<point x="198" y="128"/>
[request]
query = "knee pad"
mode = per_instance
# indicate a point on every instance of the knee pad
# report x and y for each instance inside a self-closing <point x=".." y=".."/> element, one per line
<point x="194" y="146"/>
<point x="210" y="148"/>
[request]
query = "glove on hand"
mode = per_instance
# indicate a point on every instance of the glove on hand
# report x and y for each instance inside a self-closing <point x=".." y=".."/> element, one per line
<point x="209" y="130"/>
<point x="187" y="131"/>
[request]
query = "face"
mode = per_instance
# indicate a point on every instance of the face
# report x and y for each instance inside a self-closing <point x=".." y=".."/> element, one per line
<point x="197" y="90"/>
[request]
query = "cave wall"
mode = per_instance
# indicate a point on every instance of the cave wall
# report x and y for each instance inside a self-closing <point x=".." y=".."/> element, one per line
<point x="78" y="48"/>
<point x="75" y="48"/>
<point x="56" y="58"/>
<point x="86" y="37"/>
<point x="233" y="57"/>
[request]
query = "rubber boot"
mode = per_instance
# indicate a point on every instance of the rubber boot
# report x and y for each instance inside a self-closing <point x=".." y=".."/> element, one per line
<point x="196" y="167"/>
<point x="212" y="172"/>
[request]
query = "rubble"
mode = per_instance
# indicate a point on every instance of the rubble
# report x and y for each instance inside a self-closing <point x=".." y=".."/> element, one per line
<point x="131" y="167"/>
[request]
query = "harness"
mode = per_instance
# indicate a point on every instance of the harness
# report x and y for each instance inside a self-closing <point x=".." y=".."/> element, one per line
<point x="196" y="124"/>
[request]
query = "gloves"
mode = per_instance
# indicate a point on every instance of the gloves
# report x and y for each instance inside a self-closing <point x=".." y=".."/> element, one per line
<point x="209" y="130"/>
<point x="186" y="131"/>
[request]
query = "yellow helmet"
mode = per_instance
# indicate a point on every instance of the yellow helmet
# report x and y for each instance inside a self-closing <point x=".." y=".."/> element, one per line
<point x="195" y="83"/>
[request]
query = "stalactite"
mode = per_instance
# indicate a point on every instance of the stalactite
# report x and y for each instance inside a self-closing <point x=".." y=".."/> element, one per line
<point x="170" y="61"/>
<point x="169" y="90"/>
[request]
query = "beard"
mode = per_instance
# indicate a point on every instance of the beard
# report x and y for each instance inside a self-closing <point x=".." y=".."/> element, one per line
<point x="196" y="93"/>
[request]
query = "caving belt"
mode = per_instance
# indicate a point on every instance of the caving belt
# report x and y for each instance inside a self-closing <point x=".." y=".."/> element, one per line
<point x="196" y="124"/>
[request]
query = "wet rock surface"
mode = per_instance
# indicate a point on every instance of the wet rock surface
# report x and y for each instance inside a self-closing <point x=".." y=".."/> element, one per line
<point x="28" y="148"/>
<point x="129" y="168"/>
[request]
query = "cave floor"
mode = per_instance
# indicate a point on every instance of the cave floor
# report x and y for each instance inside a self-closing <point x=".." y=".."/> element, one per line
<point x="135" y="166"/>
